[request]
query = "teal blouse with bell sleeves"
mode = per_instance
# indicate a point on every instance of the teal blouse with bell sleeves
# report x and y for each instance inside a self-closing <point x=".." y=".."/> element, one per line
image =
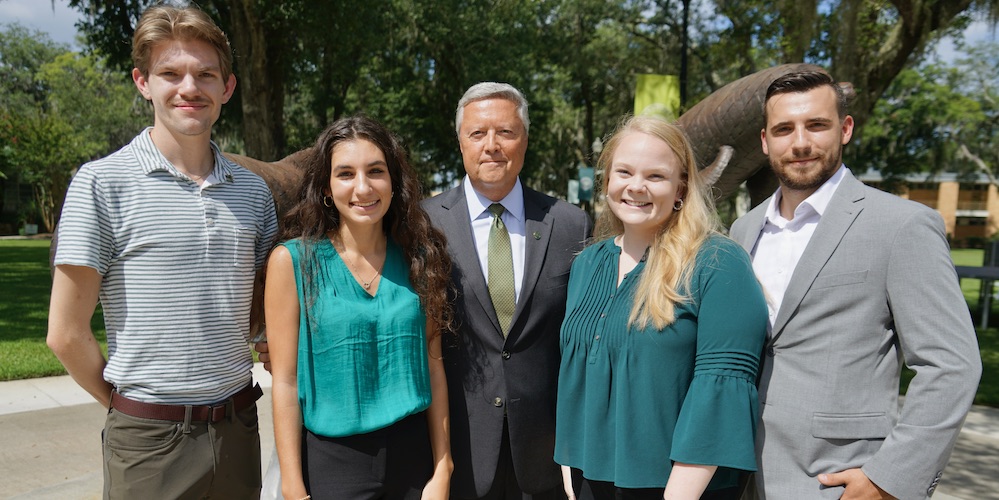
<point x="632" y="401"/>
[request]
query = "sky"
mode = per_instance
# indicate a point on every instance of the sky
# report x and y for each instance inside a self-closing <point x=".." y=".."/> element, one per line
<point x="39" y="14"/>
<point x="977" y="32"/>
<point x="58" y="23"/>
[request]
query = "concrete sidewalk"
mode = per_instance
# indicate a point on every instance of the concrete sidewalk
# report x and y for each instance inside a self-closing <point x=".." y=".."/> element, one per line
<point x="50" y="438"/>
<point x="50" y="443"/>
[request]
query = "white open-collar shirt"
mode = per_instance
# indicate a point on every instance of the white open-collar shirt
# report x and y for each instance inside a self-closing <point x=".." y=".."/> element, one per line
<point x="782" y="241"/>
<point x="513" y="218"/>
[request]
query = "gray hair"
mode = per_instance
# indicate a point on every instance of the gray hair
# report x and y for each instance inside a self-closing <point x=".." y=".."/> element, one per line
<point x="489" y="90"/>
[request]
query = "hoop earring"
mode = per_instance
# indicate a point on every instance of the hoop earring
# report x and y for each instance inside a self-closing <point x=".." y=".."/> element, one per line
<point x="676" y="208"/>
<point x="328" y="201"/>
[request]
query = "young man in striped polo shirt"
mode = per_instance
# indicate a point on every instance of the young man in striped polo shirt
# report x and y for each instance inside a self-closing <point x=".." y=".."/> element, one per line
<point x="168" y="235"/>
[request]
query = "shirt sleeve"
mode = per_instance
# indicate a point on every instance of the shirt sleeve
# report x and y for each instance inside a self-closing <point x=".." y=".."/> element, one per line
<point x="717" y="422"/>
<point x="84" y="235"/>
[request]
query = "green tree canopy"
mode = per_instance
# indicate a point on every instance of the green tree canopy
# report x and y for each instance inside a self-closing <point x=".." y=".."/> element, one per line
<point x="930" y="113"/>
<point x="60" y="109"/>
<point x="303" y="63"/>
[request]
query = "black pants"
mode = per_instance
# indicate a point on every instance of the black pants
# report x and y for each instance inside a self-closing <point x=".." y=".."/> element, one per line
<point x="603" y="490"/>
<point x="505" y="485"/>
<point x="391" y="463"/>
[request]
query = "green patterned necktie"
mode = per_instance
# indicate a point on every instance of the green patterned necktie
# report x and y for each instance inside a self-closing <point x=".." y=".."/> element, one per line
<point x="501" y="288"/>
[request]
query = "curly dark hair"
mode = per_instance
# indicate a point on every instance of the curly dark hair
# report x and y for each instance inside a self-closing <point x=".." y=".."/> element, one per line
<point x="406" y="223"/>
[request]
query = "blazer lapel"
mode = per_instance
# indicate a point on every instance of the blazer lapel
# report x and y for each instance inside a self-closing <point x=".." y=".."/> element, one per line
<point x="843" y="209"/>
<point x="538" y="229"/>
<point x="462" y="244"/>
<point x="754" y="222"/>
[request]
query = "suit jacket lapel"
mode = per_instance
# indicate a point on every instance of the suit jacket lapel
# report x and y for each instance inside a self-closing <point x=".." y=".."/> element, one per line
<point x="754" y="221"/>
<point x="462" y="244"/>
<point x="538" y="229"/>
<point x="843" y="209"/>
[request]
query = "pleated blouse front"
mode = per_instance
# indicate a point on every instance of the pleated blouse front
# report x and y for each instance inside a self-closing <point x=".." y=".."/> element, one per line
<point x="631" y="401"/>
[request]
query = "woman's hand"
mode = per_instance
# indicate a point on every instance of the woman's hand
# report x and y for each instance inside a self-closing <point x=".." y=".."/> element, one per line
<point x="437" y="420"/>
<point x="438" y="487"/>
<point x="567" y="482"/>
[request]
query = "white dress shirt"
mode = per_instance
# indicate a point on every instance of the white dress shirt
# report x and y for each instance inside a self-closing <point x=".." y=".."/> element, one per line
<point x="782" y="241"/>
<point x="513" y="217"/>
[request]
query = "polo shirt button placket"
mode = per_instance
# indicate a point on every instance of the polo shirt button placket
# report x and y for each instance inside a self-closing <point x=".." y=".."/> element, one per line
<point x="211" y="211"/>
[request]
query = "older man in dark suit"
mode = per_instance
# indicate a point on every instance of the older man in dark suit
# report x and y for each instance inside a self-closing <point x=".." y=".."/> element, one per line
<point x="512" y="248"/>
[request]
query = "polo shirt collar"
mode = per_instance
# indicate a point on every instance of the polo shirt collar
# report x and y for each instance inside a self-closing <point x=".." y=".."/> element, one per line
<point x="152" y="160"/>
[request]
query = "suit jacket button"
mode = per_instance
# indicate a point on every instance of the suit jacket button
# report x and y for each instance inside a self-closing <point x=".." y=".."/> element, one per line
<point x="771" y="351"/>
<point x="498" y="402"/>
<point x="505" y="354"/>
<point x="933" y="484"/>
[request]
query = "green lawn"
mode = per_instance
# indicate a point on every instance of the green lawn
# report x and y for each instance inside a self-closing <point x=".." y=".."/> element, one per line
<point x="988" y="339"/>
<point x="24" y="299"/>
<point x="969" y="257"/>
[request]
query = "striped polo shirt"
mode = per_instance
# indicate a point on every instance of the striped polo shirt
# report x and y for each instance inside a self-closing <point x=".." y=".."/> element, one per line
<point x="177" y="261"/>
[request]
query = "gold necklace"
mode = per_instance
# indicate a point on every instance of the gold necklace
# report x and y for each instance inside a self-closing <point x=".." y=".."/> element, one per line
<point x="365" y="284"/>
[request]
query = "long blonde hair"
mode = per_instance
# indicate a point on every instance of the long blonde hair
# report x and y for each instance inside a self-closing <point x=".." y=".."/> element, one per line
<point x="670" y="262"/>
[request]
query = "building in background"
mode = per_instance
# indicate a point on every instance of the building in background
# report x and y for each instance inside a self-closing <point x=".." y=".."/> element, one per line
<point x="969" y="204"/>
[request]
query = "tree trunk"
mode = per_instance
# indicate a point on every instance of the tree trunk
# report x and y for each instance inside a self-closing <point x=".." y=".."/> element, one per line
<point x="801" y="31"/>
<point x="684" y="49"/>
<point x="917" y="19"/>
<point x="261" y="79"/>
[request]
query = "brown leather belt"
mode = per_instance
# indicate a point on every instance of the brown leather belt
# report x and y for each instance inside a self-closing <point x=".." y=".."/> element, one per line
<point x="178" y="413"/>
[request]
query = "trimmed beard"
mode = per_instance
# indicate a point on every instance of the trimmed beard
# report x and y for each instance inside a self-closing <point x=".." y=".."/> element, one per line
<point x="807" y="183"/>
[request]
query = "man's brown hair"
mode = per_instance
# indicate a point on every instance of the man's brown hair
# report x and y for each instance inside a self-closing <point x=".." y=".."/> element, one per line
<point x="161" y="23"/>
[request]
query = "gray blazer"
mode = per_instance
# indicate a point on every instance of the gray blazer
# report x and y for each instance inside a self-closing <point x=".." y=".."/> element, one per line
<point x="490" y="377"/>
<point x="875" y="286"/>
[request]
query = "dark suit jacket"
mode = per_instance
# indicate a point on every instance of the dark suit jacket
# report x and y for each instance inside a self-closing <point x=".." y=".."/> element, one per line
<point x="489" y="376"/>
<point x="875" y="285"/>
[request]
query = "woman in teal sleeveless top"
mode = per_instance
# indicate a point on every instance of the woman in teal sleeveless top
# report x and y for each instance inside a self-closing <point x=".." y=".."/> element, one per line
<point x="355" y="301"/>
<point x="664" y="326"/>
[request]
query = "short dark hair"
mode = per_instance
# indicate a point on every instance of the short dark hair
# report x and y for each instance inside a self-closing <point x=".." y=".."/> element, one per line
<point x="804" y="81"/>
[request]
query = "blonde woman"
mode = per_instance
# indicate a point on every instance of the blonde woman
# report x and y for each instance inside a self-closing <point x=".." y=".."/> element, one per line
<point x="664" y="327"/>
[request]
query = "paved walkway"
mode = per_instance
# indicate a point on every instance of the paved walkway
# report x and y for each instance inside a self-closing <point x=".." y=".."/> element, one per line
<point x="50" y="443"/>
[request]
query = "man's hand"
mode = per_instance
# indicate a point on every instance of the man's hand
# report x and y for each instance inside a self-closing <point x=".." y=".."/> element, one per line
<point x="263" y="354"/>
<point x="858" y="485"/>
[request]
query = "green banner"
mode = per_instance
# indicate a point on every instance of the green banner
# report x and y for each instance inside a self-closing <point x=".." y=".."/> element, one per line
<point x="657" y="95"/>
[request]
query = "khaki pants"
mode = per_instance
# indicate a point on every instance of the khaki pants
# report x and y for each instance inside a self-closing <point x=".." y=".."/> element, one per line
<point x="146" y="458"/>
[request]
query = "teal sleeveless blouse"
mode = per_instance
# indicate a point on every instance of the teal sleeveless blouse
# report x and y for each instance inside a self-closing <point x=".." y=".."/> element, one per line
<point x="362" y="359"/>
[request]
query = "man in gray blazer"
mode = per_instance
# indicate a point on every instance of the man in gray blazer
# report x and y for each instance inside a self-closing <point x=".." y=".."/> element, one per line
<point x="502" y="363"/>
<point x="857" y="281"/>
